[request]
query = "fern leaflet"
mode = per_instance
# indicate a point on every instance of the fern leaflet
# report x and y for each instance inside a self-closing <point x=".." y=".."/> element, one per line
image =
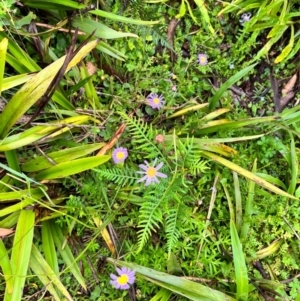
<point x="122" y="177"/>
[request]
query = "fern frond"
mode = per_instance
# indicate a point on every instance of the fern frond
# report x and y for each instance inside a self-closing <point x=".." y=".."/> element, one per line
<point x="158" y="34"/>
<point x="172" y="229"/>
<point x="160" y="38"/>
<point x="150" y="217"/>
<point x="191" y="155"/>
<point x="143" y="136"/>
<point x="198" y="167"/>
<point x="156" y="209"/>
<point x="136" y="7"/>
<point x="121" y="176"/>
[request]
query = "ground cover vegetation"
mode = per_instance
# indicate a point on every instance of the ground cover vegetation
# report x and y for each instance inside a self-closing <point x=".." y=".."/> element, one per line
<point x="149" y="150"/>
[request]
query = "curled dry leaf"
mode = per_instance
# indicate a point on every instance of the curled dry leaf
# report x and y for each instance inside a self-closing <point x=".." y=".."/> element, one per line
<point x="289" y="85"/>
<point x="4" y="232"/>
<point x="285" y="100"/>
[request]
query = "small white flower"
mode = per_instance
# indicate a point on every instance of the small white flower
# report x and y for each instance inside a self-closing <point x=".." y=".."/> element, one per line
<point x="245" y="17"/>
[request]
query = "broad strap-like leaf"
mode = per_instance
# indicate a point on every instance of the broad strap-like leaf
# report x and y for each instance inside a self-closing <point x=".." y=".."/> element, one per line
<point x="241" y="274"/>
<point x="46" y="275"/>
<point x="66" y="254"/>
<point x="232" y="80"/>
<point x="21" y="251"/>
<point x="69" y="168"/>
<point x="35" y="88"/>
<point x="247" y="174"/>
<point x="189" y="289"/>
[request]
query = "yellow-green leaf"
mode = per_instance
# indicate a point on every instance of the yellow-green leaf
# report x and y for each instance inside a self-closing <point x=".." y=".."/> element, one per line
<point x="66" y="169"/>
<point x="286" y="51"/>
<point x="119" y="18"/>
<point x="3" y="49"/>
<point x="205" y="17"/>
<point x="47" y="276"/>
<point x="6" y="268"/>
<point x="35" y="88"/>
<point x="188" y="109"/>
<point x="241" y="275"/>
<point x="66" y="254"/>
<point x="101" y="31"/>
<point x="21" y="252"/>
<point x="247" y="174"/>
<point x="41" y="162"/>
<point x="182" y="10"/>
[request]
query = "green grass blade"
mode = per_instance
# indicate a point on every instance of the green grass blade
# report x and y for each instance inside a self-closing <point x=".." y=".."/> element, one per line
<point x="90" y="90"/>
<point x="18" y="174"/>
<point x="38" y="268"/>
<point x="26" y="137"/>
<point x="20" y="56"/>
<point x="119" y="18"/>
<point x="20" y="194"/>
<point x="101" y="30"/>
<point x="213" y="100"/>
<point x="16" y="207"/>
<point x="199" y="141"/>
<point x="230" y="204"/>
<point x="54" y="4"/>
<point x="225" y="124"/>
<point x="49" y="246"/>
<point x="205" y="17"/>
<point x="191" y="290"/>
<point x="241" y="274"/>
<point x="66" y="254"/>
<point x="162" y="295"/>
<point x="3" y="49"/>
<point x="249" y="205"/>
<point x="66" y="169"/>
<point x="10" y="221"/>
<point x="103" y="47"/>
<point x="40" y="162"/>
<point x="266" y="48"/>
<point x="60" y="99"/>
<point x="294" y="167"/>
<point x="6" y="268"/>
<point x="12" y="161"/>
<point x="21" y="252"/>
<point x="272" y="180"/>
<point x="35" y="88"/>
<point x="247" y="174"/>
<point x="238" y="202"/>
<point x="47" y="276"/>
<point x="188" y="110"/>
<point x="286" y="51"/>
<point x="16" y="80"/>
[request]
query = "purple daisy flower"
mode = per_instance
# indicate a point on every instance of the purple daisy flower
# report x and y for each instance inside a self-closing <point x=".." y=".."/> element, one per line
<point x="155" y="101"/>
<point x="151" y="172"/>
<point x="202" y="59"/>
<point x="122" y="281"/>
<point x="119" y="155"/>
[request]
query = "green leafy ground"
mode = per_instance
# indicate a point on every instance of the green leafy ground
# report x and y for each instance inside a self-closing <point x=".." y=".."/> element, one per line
<point x="223" y="222"/>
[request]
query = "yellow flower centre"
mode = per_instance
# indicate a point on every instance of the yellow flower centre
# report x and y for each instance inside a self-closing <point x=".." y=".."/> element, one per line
<point x="120" y="155"/>
<point x="123" y="279"/>
<point x="156" y="100"/>
<point x="151" y="172"/>
<point x="203" y="59"/>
